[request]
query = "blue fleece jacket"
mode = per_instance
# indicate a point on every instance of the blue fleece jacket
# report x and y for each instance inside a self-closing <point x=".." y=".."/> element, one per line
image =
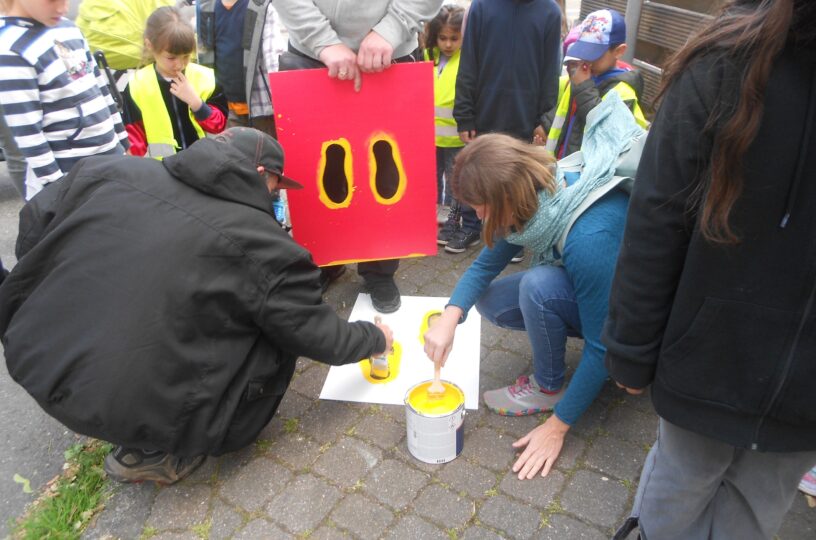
<point x="589" y="257"/>
<point x="509" y="68"/>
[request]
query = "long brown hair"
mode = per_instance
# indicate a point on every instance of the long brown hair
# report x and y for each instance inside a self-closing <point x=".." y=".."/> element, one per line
<point x="504" y="174"/>
<point x="754" y="31"/>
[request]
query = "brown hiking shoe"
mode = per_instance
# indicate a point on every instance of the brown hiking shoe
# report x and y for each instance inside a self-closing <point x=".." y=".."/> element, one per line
<point x="135" y="465"/>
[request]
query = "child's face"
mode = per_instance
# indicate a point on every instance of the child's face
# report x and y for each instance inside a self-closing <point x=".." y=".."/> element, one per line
<point x="170" y="65"/>
<point x="449" y="40"/>
<point x="607" y="61"/>
<point x="47" y="12"/>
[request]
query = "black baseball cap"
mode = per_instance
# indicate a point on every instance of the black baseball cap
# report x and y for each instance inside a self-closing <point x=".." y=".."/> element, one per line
<point x="262" y="149"/>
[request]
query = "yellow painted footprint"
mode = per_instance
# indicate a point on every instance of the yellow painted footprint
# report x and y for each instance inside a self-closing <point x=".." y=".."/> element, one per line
<point x="394" y="358"/>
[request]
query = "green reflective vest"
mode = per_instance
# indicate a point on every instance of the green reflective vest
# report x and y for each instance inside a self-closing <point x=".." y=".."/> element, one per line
<point x="146" y="93"/>
<point x="447" y="135"/>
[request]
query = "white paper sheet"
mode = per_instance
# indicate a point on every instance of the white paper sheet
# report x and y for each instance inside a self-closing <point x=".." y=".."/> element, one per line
<point x="347" y="383"/>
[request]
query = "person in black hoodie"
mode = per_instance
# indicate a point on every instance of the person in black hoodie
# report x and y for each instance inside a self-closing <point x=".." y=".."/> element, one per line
<point x="158" y="305"/>
<point x="713" y="298"/>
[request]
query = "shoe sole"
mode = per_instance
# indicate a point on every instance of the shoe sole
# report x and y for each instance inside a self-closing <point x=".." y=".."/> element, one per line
<point x="523" y="412"/>
<point x="441" y="242"/>
<point x="125" y="475"/>
<point x="459" y="250"/>
<point x="387" y="309"/>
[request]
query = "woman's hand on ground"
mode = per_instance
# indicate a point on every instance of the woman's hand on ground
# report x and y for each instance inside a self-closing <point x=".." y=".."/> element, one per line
<point x="439" y="337"/>
<point x="542" y="446"/>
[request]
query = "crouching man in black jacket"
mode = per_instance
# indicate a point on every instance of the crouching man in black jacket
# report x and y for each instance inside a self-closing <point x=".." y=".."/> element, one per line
<point x="158" y="305"/>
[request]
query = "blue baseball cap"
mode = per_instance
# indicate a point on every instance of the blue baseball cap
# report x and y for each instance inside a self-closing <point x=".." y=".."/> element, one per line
<point x="597" y="33"/>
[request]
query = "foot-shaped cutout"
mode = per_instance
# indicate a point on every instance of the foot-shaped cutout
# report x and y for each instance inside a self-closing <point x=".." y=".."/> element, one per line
<point x="335" y="174"/>
<point x="387" y="173"/>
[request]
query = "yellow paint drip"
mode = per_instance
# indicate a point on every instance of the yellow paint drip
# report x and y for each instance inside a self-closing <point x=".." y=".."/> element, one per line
<point x="435" y="405"/>
<point x="394" y="358"/>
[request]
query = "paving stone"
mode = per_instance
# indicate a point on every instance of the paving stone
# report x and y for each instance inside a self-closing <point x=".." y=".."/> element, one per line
<point x="328" y="533"/>
<point x="516" y="342"/>
<point x="347" y="461"/>
<point x="591" y="421"/>
<point x="224" y="521"/>
<point x="303" y="504"/>
<point x="479" y="533"/>
<point x="310" y="382"/>
<point x="205" y="473"/>
<point x="561" y="527"/>
<point x="514" y="519"/>
<point x="293" y="405"/>
<point x="515" y="426"/>
<point x="797" y="527"/>
<point x="180" y="506"/>
<point x="395" y="412"/>
<point x="362" y="516"/>
<point x="488" y="448"/>
<point x="444" y="507"/>
<point x="255" y="484"/>
<point x="631" y="425"/>
<point x="381" y="430"/>
<point x="295" y="450"/>
<point x="176" y="536"/>
<point x="303" y="364"/>
<point x="621" y="459"/>
<point x="416" y="528"/>
<point x="461" y="475"/>
<point x="328" y="420"/>
<point x="125" y="512"/>
<point x="231" y="463"/>
<point x="394" y="483"/>
<point x="599" y="501"/>
<point x="641" y="402"/>
<point x="260" y="528"/>
<point x="435" y="288"/>
<point x="537" y="491"/>
<point x="572" y="450"/>
<point x="505" y="366"/>
<point x="401" y="451"/>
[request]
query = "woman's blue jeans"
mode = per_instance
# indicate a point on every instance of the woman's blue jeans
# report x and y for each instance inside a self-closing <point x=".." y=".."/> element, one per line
<point x="540" y="301"/>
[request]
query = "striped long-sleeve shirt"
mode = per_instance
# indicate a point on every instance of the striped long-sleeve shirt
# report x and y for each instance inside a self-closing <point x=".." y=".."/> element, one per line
<point x="54" y="97"/>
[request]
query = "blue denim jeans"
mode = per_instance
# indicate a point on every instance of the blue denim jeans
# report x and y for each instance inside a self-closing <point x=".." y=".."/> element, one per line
<point x="540" y="301"/>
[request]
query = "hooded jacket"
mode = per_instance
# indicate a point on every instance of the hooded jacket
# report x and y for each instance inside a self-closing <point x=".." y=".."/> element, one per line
<point x="724" y="333"/>
<point x="509" y="68"/>
<point x="159" y="305"/>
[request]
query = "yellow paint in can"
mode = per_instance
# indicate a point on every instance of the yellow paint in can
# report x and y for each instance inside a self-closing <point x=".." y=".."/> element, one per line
<point x="394" y="358"/>
<point x="435" y="405"/>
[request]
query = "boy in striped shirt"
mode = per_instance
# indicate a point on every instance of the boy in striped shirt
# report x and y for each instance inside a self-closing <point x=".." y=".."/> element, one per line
<point x="55" y="100"/>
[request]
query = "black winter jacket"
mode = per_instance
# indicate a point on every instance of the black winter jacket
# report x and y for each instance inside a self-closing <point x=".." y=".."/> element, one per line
<point x="159" y="305"/>
<point x="725" y="334"/>
<point x="509" y="67"/>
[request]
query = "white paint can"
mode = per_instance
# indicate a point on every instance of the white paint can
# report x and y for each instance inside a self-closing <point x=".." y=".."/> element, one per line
<point x="436" y="425"/>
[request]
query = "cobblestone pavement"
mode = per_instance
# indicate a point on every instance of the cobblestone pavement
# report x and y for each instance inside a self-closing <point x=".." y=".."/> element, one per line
<point x="327" y="469"/>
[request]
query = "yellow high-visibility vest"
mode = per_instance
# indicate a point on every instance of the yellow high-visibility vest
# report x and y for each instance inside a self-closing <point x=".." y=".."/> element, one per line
<point x="624" y="90"/>
<point x="146" y="93"/>
<point x="447" y="134"/>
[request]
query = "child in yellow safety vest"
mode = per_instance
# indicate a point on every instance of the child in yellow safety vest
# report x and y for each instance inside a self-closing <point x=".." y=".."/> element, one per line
<point x="443" y="39"/>
<point x="172" y="102"/>
<point x="594" y="69"/>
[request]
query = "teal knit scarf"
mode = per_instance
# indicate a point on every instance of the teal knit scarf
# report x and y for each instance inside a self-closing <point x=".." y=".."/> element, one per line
<point x="609" y="131"/>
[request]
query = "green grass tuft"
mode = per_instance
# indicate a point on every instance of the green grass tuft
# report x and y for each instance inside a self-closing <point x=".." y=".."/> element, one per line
<point x="72" y="499"/>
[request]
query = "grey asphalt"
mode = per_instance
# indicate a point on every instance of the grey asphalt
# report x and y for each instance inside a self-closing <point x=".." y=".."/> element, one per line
<point x="325" y="469"/>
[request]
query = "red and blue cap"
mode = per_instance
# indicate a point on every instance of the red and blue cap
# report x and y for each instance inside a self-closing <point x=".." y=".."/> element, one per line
<point x="598" y="31"/>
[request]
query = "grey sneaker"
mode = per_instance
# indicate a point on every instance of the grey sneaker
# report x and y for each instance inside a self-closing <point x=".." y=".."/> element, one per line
<point x="135" y="465"/>
<point x="520" y="399"/>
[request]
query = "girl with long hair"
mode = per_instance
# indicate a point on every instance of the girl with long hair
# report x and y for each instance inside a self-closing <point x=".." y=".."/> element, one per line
<point x="713" y="303"/>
